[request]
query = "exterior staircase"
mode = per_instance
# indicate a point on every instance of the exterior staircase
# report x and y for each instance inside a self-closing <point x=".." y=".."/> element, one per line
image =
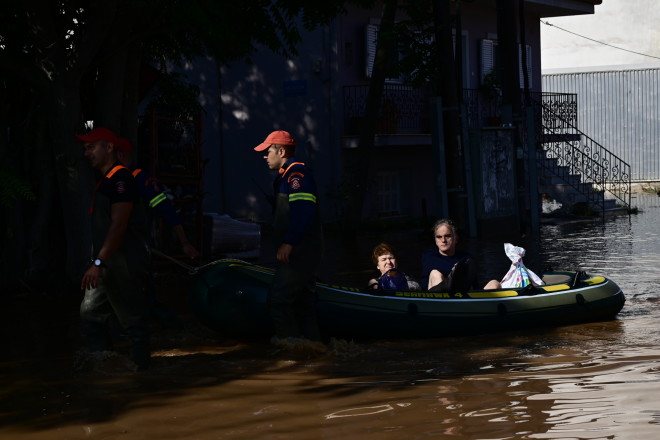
<point x="574" y="170"/>
<point x="565" y="192"/>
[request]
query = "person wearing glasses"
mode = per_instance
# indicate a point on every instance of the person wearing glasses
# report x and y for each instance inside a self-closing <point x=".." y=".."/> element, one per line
<point x="449" y="269"/>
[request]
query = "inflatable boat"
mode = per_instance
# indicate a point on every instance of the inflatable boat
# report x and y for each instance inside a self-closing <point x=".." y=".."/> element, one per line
<point x="230" y="296"/>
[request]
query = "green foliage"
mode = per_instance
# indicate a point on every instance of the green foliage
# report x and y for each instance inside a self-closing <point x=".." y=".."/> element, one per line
<point x="417" y="45"/>
<point x="491" y="85"/>
<point x="13" y="187"/>
<point x="419" y="52"/>
<point x="416" y="36"/>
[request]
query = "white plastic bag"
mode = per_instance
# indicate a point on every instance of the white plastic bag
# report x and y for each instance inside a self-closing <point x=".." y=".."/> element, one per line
<point x="518" y="275"/>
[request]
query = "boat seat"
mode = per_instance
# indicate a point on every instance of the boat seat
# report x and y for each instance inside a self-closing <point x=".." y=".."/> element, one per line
<point x="556" y="278"/>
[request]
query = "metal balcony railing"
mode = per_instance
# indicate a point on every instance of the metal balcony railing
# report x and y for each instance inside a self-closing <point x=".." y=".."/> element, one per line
<point x="404" y="110"/>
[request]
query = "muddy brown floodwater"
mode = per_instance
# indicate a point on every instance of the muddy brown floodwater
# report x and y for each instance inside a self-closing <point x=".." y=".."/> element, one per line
<point x="590" y="381"/>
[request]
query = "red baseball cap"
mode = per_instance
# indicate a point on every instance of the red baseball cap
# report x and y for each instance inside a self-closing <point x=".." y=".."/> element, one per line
<point x="98" y="134"/>
<point x="279" y="137"/>
<point x="123" y="144"/>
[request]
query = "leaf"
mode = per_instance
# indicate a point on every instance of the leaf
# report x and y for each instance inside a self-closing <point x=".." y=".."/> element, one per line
<point x="13" y="187"/>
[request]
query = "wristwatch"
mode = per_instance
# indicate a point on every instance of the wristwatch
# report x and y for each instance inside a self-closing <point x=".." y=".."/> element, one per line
<point x="98" y="262"/>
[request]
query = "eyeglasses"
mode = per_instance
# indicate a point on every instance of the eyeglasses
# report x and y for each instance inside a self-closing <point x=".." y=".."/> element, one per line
<point x="446" y="237"/>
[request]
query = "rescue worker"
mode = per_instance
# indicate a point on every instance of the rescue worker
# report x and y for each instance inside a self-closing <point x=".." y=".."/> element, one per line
<point x="299" y="240"/>
<point x="157" y="201"/>
<point x="155" y="198"/>
<point x="117" y="279"/>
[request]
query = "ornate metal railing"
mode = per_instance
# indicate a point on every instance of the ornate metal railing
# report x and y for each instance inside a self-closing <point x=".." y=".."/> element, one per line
<point x="575" y="168"/>
<point x="559" y="110"/>
<point x="482" y="110"/>
<point x="575" y="152"/>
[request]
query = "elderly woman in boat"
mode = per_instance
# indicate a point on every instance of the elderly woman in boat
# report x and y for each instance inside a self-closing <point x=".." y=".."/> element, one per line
<point x="391" y="278"/>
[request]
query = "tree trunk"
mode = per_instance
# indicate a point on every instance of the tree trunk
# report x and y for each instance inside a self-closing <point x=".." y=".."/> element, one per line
<point x="75" y="179"/>
<point x="451" y="110"/>
<point x="109" y="91"/>
<point x="45" y="244"/>
<point x="507" y="26"/>
<point x="364" y="153"/>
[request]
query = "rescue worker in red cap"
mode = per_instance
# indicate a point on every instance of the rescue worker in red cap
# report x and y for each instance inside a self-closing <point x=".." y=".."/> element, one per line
<point x="299" y="239"/>
<point x="155" y="200"/>
<point x="117" y="279"/>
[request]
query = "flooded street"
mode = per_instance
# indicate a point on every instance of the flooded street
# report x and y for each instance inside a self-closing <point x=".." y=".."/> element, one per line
<point x="589" y="381"/>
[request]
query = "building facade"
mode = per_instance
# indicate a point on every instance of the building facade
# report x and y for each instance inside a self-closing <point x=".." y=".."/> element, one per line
<point x="319" y="97"/>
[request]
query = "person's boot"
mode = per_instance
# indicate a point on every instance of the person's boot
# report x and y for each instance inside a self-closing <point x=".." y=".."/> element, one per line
<point x="140" y="352"/>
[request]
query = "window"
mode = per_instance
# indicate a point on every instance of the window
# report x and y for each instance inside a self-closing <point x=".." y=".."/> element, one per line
<point x="489" y="60"/>
<point x="487" y="55"/>
<point x="425" y="41"/>
<point x="371" y="39"/>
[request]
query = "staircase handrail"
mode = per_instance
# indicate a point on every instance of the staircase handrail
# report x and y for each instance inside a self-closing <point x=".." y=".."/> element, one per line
<point x="570" y="161"/>
<point x="604" y="169"/>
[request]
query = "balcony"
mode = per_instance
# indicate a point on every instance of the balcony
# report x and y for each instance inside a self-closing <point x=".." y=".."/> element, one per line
<point x="404" y="114"/>
<point x="405" y="111"/>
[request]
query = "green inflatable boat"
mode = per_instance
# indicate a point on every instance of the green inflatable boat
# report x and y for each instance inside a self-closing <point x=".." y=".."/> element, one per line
<point x="230" y="296"/>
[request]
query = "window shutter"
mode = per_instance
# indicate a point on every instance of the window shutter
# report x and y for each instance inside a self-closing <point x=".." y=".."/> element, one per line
<point x="371" y="36"/>
<point x="528" y="54"/>
<point x="487" y="57"/>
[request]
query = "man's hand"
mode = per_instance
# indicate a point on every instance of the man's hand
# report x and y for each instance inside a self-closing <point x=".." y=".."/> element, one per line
<point x="91" y="278"/>
<point x="284" y="252"/>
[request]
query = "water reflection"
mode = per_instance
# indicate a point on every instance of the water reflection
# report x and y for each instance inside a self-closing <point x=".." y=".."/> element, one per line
<point x="364" y="411"/>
